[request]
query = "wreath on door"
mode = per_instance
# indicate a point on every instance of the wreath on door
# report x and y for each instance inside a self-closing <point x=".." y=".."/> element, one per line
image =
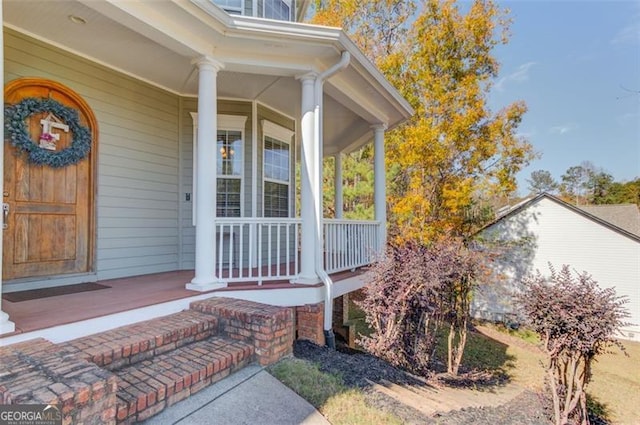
<point x="16" y="129"/>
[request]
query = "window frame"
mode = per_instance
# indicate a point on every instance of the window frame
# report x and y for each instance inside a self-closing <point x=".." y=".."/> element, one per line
<point x="231" y="10"/>
<point x="289" y="3"/>
<point x="258" y="9"/>
<point x="240" y="176"/>
<point x="224" y="123"/>
<point x="284" y="136"/>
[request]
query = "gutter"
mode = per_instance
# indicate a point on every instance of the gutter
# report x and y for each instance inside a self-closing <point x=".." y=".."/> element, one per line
<point x="330" y="339"/>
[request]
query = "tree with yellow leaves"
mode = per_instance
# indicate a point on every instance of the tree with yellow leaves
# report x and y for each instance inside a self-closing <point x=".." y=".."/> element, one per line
<point x="455" y="152"/>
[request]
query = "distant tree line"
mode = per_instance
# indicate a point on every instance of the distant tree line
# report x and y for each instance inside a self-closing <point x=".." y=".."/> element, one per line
<point x="586" y="184"/>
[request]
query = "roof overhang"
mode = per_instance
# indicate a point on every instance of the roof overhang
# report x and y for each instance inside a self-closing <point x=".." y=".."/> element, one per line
<point x="527" y="203"/>
<point x="157" y="41"/>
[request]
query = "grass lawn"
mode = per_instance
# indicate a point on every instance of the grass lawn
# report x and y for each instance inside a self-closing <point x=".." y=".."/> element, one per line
<point x="614" y="390"/>
<point x="616" y="384"/>
<point x="327" y="394"/>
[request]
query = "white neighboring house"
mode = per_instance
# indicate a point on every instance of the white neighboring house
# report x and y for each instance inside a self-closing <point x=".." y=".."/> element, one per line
<point x="544" y="230"/>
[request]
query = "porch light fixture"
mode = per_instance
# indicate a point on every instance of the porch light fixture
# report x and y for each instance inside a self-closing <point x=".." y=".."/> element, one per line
<point x="77" y="19"/>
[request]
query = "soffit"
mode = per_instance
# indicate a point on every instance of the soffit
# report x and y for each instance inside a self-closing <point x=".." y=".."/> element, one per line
<point x="101" y="39"/>
<point x="157" y="41"/>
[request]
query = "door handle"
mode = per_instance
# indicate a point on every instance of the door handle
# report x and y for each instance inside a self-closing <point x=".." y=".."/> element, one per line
<point x="5" y="215"/>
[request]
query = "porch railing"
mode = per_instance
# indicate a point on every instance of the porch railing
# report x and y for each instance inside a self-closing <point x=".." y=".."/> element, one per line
<point x="257" y="249"/>
<point x="268" y="249"/>
<point x="349" y="244"/>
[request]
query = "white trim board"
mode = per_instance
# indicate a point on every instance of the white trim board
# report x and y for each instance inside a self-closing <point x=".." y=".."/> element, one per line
<point x="276" y="131"/>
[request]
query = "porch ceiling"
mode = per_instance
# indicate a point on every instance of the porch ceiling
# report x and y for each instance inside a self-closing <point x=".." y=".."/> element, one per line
<point x="156" y="41"/>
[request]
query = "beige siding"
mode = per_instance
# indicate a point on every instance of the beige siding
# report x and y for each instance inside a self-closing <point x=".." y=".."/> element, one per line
<point x="188" y="237"/>
<point x="137" y="199"/>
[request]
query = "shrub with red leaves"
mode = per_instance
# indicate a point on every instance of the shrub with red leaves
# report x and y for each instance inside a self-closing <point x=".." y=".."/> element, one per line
<point x="577" y="321"/>
<point x="414" y="291"/>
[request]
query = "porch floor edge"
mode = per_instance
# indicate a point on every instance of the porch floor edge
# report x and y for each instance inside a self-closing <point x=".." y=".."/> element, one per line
<point x="69" y="331"/>
<point x="59" y="321"/>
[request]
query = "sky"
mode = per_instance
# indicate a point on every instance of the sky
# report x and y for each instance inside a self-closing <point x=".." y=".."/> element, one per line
<point x="576" y="64"/>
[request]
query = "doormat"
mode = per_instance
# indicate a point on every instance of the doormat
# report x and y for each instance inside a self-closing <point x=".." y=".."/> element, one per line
<point x="35" y="294"/>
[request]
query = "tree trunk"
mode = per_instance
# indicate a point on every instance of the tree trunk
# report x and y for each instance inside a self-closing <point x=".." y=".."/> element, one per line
<point x="450" y="350"/>
<point x="460" y="350"/>
<point x="553" y="383"/>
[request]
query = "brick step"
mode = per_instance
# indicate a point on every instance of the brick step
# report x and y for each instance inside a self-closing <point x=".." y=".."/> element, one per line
<point x="133" y="372"/>
<point x="146" y="388"/>
<point x="40" y="372"/>
<point x="141" y="341"/>
<point x="269" y="329"/>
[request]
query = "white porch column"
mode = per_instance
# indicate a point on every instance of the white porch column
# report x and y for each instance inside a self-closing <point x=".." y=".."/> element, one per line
<point x="205" y="278"/>
<point x="337" y="185"/>
<point x="6" y="326"/>
<point x="308" y="161"/>
<point x="379" y="183"/>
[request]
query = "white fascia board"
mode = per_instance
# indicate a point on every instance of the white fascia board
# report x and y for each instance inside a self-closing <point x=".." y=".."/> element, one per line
<point x="213" y="9"/>
<point x="282" y="29"/>
<point x="371" y="71"/>
<point x="295" y="32"/>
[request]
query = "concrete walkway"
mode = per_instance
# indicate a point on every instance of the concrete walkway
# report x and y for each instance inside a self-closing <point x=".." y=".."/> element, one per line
<point x="249" y="396"/>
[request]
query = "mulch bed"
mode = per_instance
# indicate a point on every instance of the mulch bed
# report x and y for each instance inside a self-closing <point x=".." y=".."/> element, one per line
<point x="356" y="368"/>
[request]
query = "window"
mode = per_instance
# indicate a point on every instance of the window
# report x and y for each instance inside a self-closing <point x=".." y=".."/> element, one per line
<point x="276" y="178"/>
<point x="277" y="9"/>
<point x="229" y="167"/>
<point x="233" y="7"/>
<point x="276" y="164"/>
<point x="273" y="9"/>
<point x="276" y="159"/>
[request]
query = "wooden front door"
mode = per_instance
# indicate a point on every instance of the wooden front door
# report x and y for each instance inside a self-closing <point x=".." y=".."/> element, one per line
<point x="48" y="212"/>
